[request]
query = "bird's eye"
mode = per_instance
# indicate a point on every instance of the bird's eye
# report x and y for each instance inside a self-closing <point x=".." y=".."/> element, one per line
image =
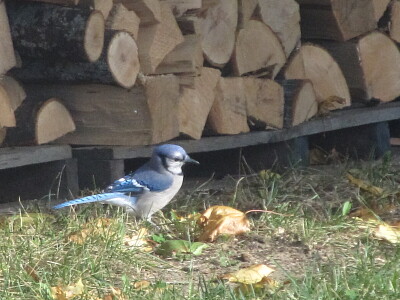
<point x="176" y="159"/>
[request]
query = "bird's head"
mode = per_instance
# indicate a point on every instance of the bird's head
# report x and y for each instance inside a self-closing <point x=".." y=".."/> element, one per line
<point x="172" y="157"/>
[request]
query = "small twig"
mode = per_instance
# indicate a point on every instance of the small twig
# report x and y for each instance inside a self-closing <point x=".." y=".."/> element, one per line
<point x="267" y="211"/>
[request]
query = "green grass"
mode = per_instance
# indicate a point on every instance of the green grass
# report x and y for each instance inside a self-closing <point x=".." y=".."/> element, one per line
<point x="318" y="252"/>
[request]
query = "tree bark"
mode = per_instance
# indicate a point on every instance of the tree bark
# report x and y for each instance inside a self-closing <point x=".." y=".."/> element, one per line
<point x="338" y="20"/>
<point x="39" y="122"/>
<point x="249" y="60"/>
<point x="316" y="64"/>
<point x="54" y="32"/>
<point x="371" y="65"/>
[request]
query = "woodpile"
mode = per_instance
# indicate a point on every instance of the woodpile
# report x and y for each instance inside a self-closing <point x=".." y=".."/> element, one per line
<point x="139" y="72"/>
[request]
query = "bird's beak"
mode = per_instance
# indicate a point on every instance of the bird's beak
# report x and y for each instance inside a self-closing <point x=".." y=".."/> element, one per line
<point x="188" y="159"/>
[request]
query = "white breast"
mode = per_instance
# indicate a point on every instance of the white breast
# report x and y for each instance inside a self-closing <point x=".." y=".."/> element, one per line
<point x="151" y="202"/>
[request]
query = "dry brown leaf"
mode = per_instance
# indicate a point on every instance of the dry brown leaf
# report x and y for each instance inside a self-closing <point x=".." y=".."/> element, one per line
<point x="99" y="227"/>
<point x="31" y="272"/>
<point x="388" y="232"/>
<point x="138" y="240"/>
<point x="219" y="220"/>
<point x="374" y="190"/>
<point x="142" y="284"/>
<point x="68" y="292"/>
<point x="251" y="275"/>
<point x="330" y="103"/>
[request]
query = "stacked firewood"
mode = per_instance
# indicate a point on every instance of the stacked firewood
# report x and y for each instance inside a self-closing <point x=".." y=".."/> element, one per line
<point x="137" y="72"/>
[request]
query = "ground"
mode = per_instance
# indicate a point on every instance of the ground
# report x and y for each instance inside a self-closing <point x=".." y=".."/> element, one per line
<point x="318" y="248"/>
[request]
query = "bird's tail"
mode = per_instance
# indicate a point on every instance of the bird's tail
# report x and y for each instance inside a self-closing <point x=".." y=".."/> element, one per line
<point x="89" y="199"/>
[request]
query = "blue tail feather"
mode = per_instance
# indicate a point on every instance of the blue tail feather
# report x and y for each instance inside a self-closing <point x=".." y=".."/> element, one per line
<point x="88" y="199"/>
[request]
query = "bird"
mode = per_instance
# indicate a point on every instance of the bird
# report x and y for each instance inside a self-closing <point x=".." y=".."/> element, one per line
<point x="147" y="190"/>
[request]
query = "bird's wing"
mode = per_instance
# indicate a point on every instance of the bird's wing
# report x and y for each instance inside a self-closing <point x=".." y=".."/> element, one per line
<point x="112" y="198"/>
<point x="127" y="184"/>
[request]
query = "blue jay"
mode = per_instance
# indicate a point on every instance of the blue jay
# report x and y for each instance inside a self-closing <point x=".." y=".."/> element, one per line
<point x="150" y="188"/>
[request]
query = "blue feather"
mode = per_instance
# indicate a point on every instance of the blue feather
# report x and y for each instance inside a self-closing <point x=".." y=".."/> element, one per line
<point x="89" y="199"/>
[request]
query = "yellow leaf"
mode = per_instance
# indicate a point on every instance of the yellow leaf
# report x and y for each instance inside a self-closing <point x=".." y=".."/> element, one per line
<point x="100" y="226"/>
<point x="374" y="190"/>
<point x="251" y="275"/>
<point x="388" y="232"/>
<point x="68" y="292"/>
<point x="138" y="240"/>
<point x="142" y="284"/>
<point x="219" y="220"/>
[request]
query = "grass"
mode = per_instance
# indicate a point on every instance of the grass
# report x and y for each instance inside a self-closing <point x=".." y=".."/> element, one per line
<point x="318" y="252"/>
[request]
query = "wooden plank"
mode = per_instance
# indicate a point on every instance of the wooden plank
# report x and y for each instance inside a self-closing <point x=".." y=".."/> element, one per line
<point x="345" y="118"/>
<point x="22" y="156"/>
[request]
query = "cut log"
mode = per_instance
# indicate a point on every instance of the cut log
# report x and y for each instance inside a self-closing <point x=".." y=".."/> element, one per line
<point x="100" y="113"/>
<point x="7" y="117"/>
<point x="283" y="17"/>
<point x="300" y="102"/>
<point x="316" y="64"/>
<point x="371" y="65"/>
<point x="119" y="65"/>
<point x="249" y="60"/>
<point x="56" y="31"/>
<point x="338" y="20"/>
<point x="103" y="6"/>
<point x="246" y="10"/>
<point x="58" y="2"/>
<point x="380" y="7"/>
<point x="156" y="41"/>
<point x="7" y="56"/>
<point x="264" y="103"/>
<point x="179" y="7"/>
<point x="218" y="30"/>
<point x="228" y="113"/>
<point x="195" y="103"/>
<point x="186" y="58"/>
<point x="162" y="94"/>
<point x="149" y="11"/>
<point x="123" y="19"/>
<point x="390" y="22"/>
<point x="15" y="91"/>
<point x="39" y="122"/>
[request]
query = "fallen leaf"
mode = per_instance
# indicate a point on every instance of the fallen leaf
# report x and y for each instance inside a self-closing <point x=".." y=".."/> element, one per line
<point x="142" y="284"/>
<point x="218" y="220"/>
<point x="251" y="275"/>
<point x="138" y="240"/>
<point x="330" y="103"/>
<point x="68" y="292"/>
<point x="374" y="190"/>
<point x="31" y="272"/>
<point x="100" y="226"/>
<point x="388" y="232"/>
<point x="180" y="248"/>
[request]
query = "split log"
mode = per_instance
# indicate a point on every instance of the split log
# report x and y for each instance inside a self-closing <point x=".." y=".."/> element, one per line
<point x="316" y="64"/>
<point x="264" y="103"/>
<point x="246" y="10"/>
<point x="228" y="113"/>
<point x="195" y="103"/>
<point x="179" y="7"/>
<point x="283" y="17"/>
<point x="100" y="113"/>
<point x="103" y="6"/>
<point x="380" y="7"/>
<point x="119" y="65"/>
<point x="7" y="117"/>
<point x="58" y="2"/>
<point x="162" y="94"/>
<point x="218" y="29"/>
<point x="56" y="31"/>
<point x="7" y="56"/>
<point x="123" y="19"/>
<point x="338" y="20"/>
<point x="15" y="91"/>
<point x="186" y="58"/>
<point x="249" y="60"/>
<point x="300" y="102"/>
<point x="156" y="41"/>
<point x="390" y="22"/>
<point x="149" y="11"/>
<point x="371" y="65"/>
<point x="39" y="122"/>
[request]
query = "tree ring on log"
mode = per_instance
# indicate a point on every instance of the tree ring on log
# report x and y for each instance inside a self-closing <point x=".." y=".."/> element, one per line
<point x="94" y="35"/>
